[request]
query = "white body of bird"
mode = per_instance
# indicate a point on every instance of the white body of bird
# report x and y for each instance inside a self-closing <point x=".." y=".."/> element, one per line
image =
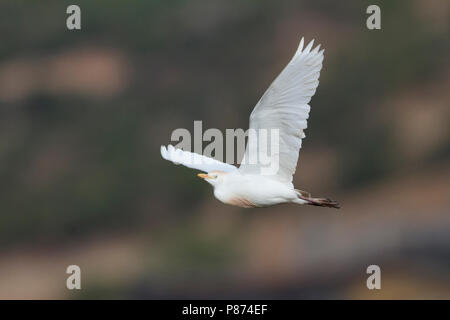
<point x="284" y="107"/>
<point x="250" y="191"/>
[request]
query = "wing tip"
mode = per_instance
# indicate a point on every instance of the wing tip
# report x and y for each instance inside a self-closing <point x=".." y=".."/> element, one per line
<point x="168" y="152"/>
<point x="302" y="49"/>
<point x="164" y="152"/>
<point x="309" y="46"/>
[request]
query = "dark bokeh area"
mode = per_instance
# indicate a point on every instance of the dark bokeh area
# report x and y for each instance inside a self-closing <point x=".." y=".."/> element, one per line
<point x="83" y="114"/>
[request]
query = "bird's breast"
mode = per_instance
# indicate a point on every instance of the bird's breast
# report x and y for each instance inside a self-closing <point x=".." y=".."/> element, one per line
<point x="230" y="198"/>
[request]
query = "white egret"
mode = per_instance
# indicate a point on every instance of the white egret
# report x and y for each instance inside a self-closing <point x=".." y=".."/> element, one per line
<point x="284" y="106"/>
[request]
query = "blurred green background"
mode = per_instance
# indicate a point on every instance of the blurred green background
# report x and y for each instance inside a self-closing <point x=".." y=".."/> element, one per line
<point x="83" y="114"/>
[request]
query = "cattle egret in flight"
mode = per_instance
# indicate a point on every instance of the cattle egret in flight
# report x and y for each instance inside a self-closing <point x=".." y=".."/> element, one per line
<point x="284" y="106"/>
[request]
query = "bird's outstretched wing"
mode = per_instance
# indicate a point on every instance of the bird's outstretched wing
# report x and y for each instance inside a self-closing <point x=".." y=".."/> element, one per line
<point x="284" y="106"/>
<point x="194" y="160"/>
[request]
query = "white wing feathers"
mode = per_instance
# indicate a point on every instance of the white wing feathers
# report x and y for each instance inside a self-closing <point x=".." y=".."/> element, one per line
<point x="194" y="160"/>
<point x="284" y="106"/>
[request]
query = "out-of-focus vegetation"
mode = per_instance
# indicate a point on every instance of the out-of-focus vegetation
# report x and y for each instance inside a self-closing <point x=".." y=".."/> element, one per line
<point x="83" y="113"/>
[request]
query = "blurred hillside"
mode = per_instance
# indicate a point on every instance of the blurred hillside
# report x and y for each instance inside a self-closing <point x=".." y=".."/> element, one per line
<point x="83" y="113"/>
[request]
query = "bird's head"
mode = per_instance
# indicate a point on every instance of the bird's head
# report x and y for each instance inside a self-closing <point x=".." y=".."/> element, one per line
<point x="214" y="177"/>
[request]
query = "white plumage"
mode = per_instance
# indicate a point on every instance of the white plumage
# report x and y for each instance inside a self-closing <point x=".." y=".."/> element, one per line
<point x="284" y="106"/>
<point x="194" y="160"/>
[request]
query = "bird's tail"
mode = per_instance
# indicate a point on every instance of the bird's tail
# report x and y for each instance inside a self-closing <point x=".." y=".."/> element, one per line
<point x="320" y="202"/>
